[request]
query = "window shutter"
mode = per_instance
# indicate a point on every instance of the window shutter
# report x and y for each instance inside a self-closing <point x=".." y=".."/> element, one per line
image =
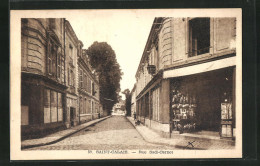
<point x="225" y="28"/>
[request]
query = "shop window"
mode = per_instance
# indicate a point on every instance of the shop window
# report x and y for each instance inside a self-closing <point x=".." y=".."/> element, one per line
<point x="199" y="36"/>
<point x="80" y="105"/>
<point x="89" y="106"/>
<point x="85" y="106"/>
<point x="60" y="108"/>
<point x="53" y="108"/>
<point x="156" y="105"/>
<point x="92" y="107"/>
<point x="147" y="105"/>
<point x="24" y="115"/>
<point x="47" y="113"/>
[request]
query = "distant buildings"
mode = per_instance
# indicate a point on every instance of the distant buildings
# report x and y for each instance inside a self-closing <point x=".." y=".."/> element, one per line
<point x="88" y="90"/>
<point x="119" y="108"/>
<point x="54" y="87"/>
<point x="185" y="81"/>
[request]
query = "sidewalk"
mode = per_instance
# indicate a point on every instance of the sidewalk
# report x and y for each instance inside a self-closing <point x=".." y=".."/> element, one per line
<point x="181" y="141"/>
<point x="58" y="136"/>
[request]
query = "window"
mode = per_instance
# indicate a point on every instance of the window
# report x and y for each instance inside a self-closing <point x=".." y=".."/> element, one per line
<point x="54" y="61"/>
<point x="60" y="110"/>
<point x="85" y="81"/>
<point x="89" y="106"/>
<point x="93" y="89"/>
<point x="53" y="57"/>
<point x="71" y="77"/>
<point x="80" y="78"/>
<point x="54" y="104"/>
<point x="155" y="103"/>
<point x="53" y="109"/>
<point x="85" y="106"/>
<point x="71" y="54"/>
<point x="58" y="66"/>
<point x="49" y="66"/>
<point x="199" y="36"/>
<point x="88" y="85"/>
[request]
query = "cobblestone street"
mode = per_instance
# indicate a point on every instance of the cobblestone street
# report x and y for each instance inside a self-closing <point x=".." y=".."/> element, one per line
<point x="113" y="133"/>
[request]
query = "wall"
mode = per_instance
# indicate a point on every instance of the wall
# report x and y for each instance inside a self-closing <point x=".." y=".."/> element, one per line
<point x="33" y="46"/>
<point x="165" y="43"/>
<point x="179" y="39"/>
<point x="222" y="39"/>
<point x="71" y="41"/>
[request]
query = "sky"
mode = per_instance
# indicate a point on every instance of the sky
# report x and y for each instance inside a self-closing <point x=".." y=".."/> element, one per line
<point x="127" y="33"/>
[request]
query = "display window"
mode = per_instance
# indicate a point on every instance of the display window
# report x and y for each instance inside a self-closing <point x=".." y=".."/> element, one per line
<point x="53" y="108"/>
<point x="203" y="102"/>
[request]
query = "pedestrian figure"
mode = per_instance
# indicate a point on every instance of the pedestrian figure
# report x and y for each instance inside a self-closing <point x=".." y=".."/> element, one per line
<point x="134" y="115"/>
<point x="99" y="115"/>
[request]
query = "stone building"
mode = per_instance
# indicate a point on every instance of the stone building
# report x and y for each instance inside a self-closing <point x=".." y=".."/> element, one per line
<point x="72" y="48"/>
<point x="52" y="88"/>
<point x="133" y="101"/>
<point x="43" y="87"/>
<point x="89" y="103"/>
<point x="119" y="108"/>
<point x="185" y="81"/>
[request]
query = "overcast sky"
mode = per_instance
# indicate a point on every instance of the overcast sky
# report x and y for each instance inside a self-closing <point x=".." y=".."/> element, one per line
<point x="126" y="32"/>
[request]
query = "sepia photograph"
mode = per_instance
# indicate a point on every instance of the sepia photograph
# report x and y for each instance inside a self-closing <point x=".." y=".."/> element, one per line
<point x="126" y="84"/>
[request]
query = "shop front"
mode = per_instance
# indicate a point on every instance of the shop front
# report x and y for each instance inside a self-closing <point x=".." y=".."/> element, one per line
<point x="204" y="102"/>
<point x="42" y="107"/>
<point x="72" y="112"/>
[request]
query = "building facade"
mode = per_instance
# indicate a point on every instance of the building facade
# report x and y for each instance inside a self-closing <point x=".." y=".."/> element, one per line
<point x="72" y="48"/>
<point x="185" y="81"/>
<point x="89" y="103"/>
<point x="49" y="77"/>
<point x="43" y="86"/>
<point x="133" y="101"/>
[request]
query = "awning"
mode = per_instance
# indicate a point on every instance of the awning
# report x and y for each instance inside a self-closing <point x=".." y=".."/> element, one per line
<point x="200" y="68"/>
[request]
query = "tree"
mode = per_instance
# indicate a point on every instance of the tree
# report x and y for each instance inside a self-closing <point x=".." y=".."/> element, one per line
<point x="103" y="60"/>
<point x="128" y="96"/>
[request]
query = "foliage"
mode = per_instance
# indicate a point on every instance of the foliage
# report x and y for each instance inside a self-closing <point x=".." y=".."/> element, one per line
<point x="127" y="94"/>
<point x="103" y="60"/>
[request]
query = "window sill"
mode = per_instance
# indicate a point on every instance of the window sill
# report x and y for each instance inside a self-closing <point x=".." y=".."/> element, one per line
<point x="199" y="56"/>
<point x="81" y="115"/>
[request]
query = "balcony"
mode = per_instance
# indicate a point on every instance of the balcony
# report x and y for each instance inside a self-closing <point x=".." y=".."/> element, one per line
<point x="151" y="69"/>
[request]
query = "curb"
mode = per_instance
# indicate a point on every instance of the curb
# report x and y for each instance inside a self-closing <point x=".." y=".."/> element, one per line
<point x="63" y="137"/>
<point x="172" y="145"/>
<point x="144" y="138"/>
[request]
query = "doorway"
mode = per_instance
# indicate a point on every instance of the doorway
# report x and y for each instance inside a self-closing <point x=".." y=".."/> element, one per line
<point x="72" y="116"/>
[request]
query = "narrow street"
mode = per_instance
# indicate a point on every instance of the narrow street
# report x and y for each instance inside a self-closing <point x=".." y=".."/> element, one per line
<point x="115" y="133"/>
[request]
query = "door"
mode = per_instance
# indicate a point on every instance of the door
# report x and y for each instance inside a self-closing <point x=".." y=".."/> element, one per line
<point x="72" y="113"/>
<point x="209" y="104"/>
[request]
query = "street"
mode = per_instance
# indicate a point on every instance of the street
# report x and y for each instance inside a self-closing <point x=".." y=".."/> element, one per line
<point x="115" y="133"/>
